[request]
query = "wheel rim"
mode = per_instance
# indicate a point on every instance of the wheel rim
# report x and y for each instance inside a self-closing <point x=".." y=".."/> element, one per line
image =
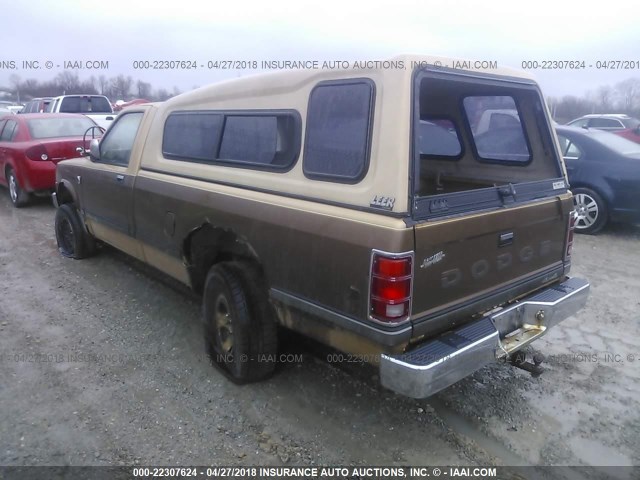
<point x="13" y="188"/>
<point x="586" y="209"/>
<point x="65" y="236"/>
<point x="224" y="324"/>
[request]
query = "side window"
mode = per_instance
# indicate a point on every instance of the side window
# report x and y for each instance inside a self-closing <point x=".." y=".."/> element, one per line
<point x="261" y="140"/>
<point x="192" y="135"/>
<point x="605" y="123"/>
<point x="2" y="124"/>
<point x="9" y="131"/>
<point x="501" y="141"/>
<point x="573" y="152"/>
<point x="338" y="131"/>
<point x="250" y="139"/>
<point x="580" y="123"/>
<point x="570" y="150"/>
<point x="116" y="146"/>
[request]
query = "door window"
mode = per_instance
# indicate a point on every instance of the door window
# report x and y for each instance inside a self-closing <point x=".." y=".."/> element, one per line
<point x="116" y="146"/>
<point x="605" y="123"/>
<point x="570" y="150"/>
<point x="580" y="123"/>
<point x="8" y="132"/>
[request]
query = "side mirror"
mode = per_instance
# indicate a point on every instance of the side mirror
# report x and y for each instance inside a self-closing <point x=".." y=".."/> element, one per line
<point x="95" y="133"/>
<point x="94" y="149"/>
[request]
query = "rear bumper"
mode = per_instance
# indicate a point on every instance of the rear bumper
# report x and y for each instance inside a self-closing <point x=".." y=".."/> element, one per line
<point x="449" y="358"/>
<point x="37" y="175"/>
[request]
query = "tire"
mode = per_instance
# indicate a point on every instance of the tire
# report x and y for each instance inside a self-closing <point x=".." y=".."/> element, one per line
<point x="73" y="239"/>
<point x="591" y="209"/>
<point x="239" y="327"/>
<point x="19" y="198"/>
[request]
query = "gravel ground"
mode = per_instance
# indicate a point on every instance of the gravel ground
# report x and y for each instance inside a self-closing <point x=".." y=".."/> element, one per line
<point x="102" y="363"/>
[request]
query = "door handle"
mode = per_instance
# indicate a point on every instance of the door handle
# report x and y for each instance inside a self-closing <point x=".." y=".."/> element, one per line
<point x="120" y="178"/>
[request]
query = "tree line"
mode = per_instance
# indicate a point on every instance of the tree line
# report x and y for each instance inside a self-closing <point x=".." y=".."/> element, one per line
<point x="623" y="97"/>
<point x="115" y="88"/>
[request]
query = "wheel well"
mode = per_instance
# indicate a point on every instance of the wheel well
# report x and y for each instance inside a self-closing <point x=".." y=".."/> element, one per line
<point x="63" y="194"/>
<point x="207" y="245"/>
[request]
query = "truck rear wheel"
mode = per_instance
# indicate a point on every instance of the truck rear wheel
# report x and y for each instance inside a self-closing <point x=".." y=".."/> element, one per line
<point x="73" y="239"/>
<point x="240" y="330"/>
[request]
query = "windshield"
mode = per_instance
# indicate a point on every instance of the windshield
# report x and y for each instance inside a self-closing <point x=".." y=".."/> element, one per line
<point x="616" y="142"/>
<point x="88" y="104"/>
<point x="59" y="127"/>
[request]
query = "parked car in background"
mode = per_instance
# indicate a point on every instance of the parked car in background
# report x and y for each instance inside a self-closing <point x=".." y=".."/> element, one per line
<point x="604" y="174"/>
<point x="9" y="107"/>
<point x="36" y="105"/>
<point x="492" y="119"/>
<point x="30" y="147"/>
<point x="620" y="124"/>
<point x="96" y="107"/>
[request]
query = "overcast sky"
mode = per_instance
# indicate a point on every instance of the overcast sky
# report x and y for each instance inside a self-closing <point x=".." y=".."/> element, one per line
<point x="122" y="32"/>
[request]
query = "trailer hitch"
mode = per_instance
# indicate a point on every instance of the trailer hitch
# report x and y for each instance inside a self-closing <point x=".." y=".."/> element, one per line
<point x="519" y="360"/>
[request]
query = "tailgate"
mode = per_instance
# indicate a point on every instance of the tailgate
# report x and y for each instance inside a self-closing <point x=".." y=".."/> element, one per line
<point x="463" y="260"/>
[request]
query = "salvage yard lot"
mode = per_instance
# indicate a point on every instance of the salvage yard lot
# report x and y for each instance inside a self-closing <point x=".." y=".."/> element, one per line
<point x="102" y="363"/>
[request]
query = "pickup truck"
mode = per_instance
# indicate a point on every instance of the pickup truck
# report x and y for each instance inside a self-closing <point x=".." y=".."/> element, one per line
<point x="96" y="107"/>
<point x="359" y="207"/>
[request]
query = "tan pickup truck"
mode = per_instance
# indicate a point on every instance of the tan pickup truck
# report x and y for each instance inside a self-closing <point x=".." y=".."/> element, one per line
<point x="362" y="208"/>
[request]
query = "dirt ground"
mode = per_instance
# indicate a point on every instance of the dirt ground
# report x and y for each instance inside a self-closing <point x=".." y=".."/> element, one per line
<point x="102" y="363"/>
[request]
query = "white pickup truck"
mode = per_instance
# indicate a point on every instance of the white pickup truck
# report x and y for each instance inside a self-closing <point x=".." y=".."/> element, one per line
<point x="96" y="107"/>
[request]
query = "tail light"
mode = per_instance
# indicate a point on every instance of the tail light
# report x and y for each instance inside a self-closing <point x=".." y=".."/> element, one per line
<point x="38" y="153"/>
<point x="390" y="291"/>
<point x="570" y="230"/>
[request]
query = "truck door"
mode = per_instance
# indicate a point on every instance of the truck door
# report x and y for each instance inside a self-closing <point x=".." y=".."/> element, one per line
<point x="107" y="187"/>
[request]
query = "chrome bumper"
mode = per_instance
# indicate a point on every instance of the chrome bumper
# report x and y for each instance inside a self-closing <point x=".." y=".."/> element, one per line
<point x="54" y="199"/>
<point x="449" y="358"/>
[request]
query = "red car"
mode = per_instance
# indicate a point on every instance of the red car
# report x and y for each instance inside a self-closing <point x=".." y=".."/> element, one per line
<point x="32" y="144"/>
<point x="618" y="123"/>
